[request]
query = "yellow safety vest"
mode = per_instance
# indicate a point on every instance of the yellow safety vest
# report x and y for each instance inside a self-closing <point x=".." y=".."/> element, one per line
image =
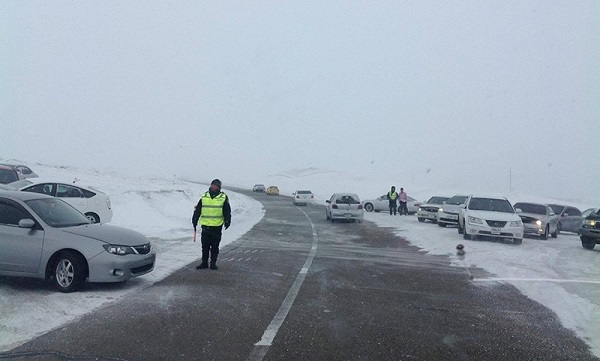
<point x="212" y="210"/>
<point x="393" y="195"/>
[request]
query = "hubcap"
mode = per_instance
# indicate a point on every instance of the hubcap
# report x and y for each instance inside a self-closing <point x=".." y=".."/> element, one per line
<point x="64" y="273"/>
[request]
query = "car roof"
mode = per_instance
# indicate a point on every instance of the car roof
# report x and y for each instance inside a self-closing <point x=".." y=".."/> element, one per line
<point x="7" y="167"/>
<point x="345" y="194"/>
<point x="23" y="196"/>
<point x="42" y="180"/>
<point x="490" y="196"/>
<point x="534" y="203"/>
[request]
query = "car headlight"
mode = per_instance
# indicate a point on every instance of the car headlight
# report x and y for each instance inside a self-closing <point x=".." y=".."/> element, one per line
<point x="590" y="222"/>
<point x="118" y="250"/>
<point x="475" y="220"/>
<point x="538" y="222"/>
<point x="441" y="210"/>
<point x="518" y="223"/>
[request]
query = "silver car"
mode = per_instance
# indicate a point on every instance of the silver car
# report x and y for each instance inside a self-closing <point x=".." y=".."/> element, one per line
<point x="44" y="237"/>
<point x="429" y="209"/>
<point x="344" y="206"/>
<point x="302" y="197"/>
<point x="448" y="212"/>
<point x="382" y="204"/>
<point x="538" y="219"/>
<point x="569" y="218"/>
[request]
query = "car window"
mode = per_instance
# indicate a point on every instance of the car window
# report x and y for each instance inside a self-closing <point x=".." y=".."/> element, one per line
<point x="66" y="191"/>
<point x="57" y="213"/>
<point x="574" y="212"/>
<point x="304" y="192"/>
<point x="531" y="208"/>
<point x="556" y="208"/>
<point x="11" y="214"/>
<point x="457" y="200"/>
<point x="347" y="199"/>
<point x="8" y="176"/>
<point x="88" y="194"/>
<point x="43" y="188"/>
<point x="437" y="200"/>
<point x="490" y="204"/>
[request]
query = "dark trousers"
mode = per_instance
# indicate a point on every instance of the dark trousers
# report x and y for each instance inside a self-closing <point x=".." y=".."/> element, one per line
<point x="403" y="208"/>
<point x="393" y="208"/>
<point x="210" y="238"/>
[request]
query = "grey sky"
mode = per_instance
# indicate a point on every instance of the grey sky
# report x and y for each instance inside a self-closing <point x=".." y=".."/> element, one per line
<point x="462" y="91"/>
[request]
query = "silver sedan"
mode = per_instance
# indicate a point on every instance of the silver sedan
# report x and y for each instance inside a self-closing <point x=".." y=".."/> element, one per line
<point x="44" y="237"/>
<point x="538" y="219"/>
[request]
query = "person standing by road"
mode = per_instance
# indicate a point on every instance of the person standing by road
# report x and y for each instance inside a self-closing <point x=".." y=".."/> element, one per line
<point x="403" y="199"/>
<point x="392" y="196"/>
<point x="213" y="211"/>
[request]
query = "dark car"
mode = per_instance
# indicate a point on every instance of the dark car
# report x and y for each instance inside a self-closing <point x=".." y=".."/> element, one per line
<point x="589" y="232"/>
<point x="569" y="218"/>
<point x="22" y="170"/>
<point x="8" y="174"/>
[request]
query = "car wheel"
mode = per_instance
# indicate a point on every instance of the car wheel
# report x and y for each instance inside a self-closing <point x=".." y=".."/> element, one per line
<point x="369" y="207"/>
<point x="69" y="272"/>
<point x="93" y="217"/>
<point x="546" y="232"/>
<point x="555" y="234"/>
<point x="441" y="224"/>
<point x="461" y="230"/>
<point x="421" y="219"/>
<point x="327" y="215"/>
<point x="558" y="228"/>
<point x="517" y="240"/>
<point x="465" y="234"/>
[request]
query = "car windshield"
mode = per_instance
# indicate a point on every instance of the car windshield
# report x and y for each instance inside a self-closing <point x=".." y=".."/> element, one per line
<point x="490" y="204"/>
<point x="57" y="213"/>
<point x="8" y="176"/>
<point x="304" y="192"/>
<point x="557" y="209"/>
<point x="531" y="208"/>
<point x="457" y="200"/>
<point x="347" y="199"/>
<point x="437" y="200"/>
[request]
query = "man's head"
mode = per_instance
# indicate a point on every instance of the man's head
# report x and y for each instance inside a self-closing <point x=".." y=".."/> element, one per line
<point x="401" y="189"/>
<point x="393" y="188"/>
<point x="215" y="185"/>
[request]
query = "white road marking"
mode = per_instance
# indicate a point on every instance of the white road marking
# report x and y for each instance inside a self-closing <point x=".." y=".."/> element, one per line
<point x="262" y="346"/>
<point x="556" y="280"/>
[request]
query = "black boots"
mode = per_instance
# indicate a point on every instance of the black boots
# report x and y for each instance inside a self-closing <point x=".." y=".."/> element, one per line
<point x="202" y="265"/>
<point x="213" y="265"/>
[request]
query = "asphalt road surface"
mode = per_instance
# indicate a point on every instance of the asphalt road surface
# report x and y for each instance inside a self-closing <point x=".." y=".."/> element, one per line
<point x="297" y="287"/>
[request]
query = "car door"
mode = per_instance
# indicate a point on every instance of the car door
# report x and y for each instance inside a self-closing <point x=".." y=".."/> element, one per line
<point x="21" y="247"/>
<point x="573" y="220"/>
<point x="382" y="203"/>
<point x="72" y="195"/>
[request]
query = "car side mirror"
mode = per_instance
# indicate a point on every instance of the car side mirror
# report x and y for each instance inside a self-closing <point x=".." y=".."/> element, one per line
<point x="327" y="201"/>
<point x="26" y="223"/>
<point x="518" y="210"/>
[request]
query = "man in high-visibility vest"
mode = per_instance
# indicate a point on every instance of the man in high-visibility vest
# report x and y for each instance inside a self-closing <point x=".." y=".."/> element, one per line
<point x="214" y="212"/>
<point x="392" y="196"/>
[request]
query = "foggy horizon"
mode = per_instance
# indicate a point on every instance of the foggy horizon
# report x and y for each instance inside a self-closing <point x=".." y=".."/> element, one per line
<point x="470" y="94"/>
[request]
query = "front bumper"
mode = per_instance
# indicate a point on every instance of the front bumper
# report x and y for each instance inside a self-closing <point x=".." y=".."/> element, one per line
<point x="534" y="229"/>
<point x="591" y="233"/>
<point x="486" y="231"/>
<point x="108" y="267"/>
<point x="445" y="217"/>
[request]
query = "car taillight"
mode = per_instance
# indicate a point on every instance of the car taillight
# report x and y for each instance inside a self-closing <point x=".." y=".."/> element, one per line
<point x="360" y="206"/>
<point x="334" y="206"/>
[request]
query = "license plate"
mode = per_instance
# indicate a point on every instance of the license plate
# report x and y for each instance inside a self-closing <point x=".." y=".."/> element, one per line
<point x="453" y="216"/>
<point x="430" y="216"/>
<point x="348" y="215"/>
<point x="496" y="231"/>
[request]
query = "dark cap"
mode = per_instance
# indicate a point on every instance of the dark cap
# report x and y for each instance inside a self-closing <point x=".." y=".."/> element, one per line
<point x="216" y="182"/>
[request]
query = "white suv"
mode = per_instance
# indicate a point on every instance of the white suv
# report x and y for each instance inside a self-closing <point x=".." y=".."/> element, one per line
<point x="490" y="216"/>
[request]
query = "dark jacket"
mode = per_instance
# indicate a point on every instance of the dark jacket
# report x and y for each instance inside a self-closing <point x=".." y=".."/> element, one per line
<point x="226" y="210"/>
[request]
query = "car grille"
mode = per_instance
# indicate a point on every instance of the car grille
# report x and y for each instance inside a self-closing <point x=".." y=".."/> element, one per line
<point x="143" y="249"/>
<point x="142" y="269"/>
<point x="497" y="224"/>
<point x="431" y="209"/>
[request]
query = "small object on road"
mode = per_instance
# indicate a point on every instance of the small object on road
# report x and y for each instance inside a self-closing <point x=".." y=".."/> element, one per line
<point x="460" y="250"/>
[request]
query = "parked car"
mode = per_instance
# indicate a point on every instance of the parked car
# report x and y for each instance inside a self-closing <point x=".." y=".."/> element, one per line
<point x="489" y="216"/>
<point x="44" y="237"/>
<point x="382" y="204"/>
<point x="272" y="191"/>
<point x="538" y="219"/>
<point x="258" y="188"/>
<point x="23" y="170"/>
<point x="93" y="203"/>
<point x="429" y="209"/>
<point x="302" y="197"/>
<point x="447" y="214"/>
<point x="8" y="174"/>
<point x="589" y="232"/>
<point x="569" y="218"/>
<point x="344" y="206"/>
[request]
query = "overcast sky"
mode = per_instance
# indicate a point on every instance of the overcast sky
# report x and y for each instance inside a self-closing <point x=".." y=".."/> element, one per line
<point x="499" y="93"/>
